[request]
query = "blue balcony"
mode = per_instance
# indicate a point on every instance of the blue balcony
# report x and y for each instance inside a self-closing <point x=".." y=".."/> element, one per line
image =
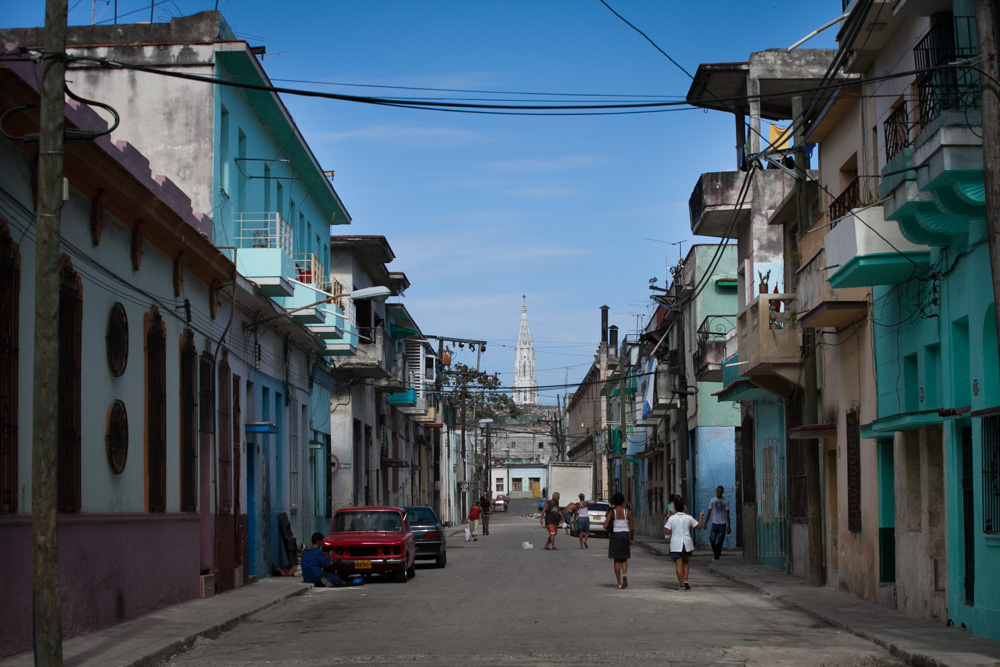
<point x="406" y="398"/>
<point x="265" y="252"/>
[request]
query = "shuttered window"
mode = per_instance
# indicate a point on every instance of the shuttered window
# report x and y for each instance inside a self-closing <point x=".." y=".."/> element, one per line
<point x="10" y="291"/>
<point x="70" y="350"/>
<point x="156" y="412"/>
<point x="189" y="405"/>
<point x="991" y="474"/>
<point x="225" y="438"/>
<point x="853" y="471"/>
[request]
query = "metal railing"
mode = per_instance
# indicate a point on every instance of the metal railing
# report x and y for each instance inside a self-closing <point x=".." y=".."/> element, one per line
<point x="310" y="270"/>
<point x="715" y="327"/>
<point x="950" y="39"/>
<point x="263" y="230"/>
<point x="897" y="132"/>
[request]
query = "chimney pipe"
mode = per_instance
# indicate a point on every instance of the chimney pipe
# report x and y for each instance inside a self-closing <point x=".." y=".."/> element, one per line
<point x="604" y="324"/>
<point x="613" y="337"/>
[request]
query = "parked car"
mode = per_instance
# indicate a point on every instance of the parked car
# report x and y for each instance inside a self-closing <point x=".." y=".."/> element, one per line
<point x="371" y="540"/>
<point x="428" y="533"/>
<point x="500" y="504"/>
<point x="597" y="512"/>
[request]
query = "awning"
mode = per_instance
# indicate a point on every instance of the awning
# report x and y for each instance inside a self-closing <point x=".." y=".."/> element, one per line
<point x="399" y="332"/>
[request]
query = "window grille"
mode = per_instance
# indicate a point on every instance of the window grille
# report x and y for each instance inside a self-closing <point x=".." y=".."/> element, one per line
<point x="116" y="436"/>
<point x="206" y="383"/>
<point x="225" y="438"/>
<point x="10" y="290"/>
<point x="991" y="474"/>
<point x="156" y="413"/>
<point x="795" y="467"/>
<point x="70" y="350"/>
<point x="116" y="339"/>
<point x="853" y="471"/>
<point x="189" y="455"/>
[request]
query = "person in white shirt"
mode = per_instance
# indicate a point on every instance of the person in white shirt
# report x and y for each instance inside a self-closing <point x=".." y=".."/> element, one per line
<point x="678" y="529"/>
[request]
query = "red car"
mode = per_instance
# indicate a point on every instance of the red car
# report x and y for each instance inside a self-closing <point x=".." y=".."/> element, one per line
<point x="371" y="540"/>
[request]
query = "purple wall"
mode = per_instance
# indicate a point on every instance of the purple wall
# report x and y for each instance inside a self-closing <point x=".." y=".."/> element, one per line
<point x="112" y="568"/>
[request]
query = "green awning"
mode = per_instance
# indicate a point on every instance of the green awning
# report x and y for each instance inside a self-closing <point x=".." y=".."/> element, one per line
<point x="402" y="332"/>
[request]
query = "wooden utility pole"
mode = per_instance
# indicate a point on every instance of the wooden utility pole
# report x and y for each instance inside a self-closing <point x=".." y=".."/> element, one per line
<point x="810" y="399"/>
<point x="986" y="29"/>
<point x="45" y="400"/>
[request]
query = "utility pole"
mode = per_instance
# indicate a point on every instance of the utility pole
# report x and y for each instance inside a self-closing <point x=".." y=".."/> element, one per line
<point x="45" y="405"/>
<point x="682" y="436"/>
<point x="461" y="469"/>
<point x="986" y="29"/>
<point x="810" y="401"/>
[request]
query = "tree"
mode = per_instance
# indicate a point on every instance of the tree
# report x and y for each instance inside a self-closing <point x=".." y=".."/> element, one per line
<point x="483" y="396"/>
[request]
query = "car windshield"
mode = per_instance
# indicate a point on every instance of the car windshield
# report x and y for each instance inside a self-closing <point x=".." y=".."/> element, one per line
<point x="367" y="521"/>
<point x="421" y="516"/>
<point x="599" y="507"/>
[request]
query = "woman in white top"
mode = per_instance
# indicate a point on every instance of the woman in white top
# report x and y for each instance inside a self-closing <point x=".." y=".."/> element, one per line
<point x="583" y="521"/>
<point x="620" y="533"/>
<point x="678" y="529"/>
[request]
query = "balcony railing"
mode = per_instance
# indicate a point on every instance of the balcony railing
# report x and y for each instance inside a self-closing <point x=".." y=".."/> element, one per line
<point x="310" y="270"/>
<point x="861" y="191"/>
<point x="711" y="348"/>
<point x="769" y="342"/>
<point x="950" y="39"/>
<point x="263" y="230"/>
<point x="897" y="132"/>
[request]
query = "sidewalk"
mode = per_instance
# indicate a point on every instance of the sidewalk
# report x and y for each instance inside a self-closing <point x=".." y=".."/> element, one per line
<point x="155" y="637"/>
<point x="916" y="640"/>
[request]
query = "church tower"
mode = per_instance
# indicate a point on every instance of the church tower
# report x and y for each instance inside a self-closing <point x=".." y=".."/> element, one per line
<point x="525" y="389"/>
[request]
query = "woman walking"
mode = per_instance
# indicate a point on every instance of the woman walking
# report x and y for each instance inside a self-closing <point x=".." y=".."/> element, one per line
<point x="678" y="529"/>
<point x="583" y="521"/>
<point x="620" y="533"/>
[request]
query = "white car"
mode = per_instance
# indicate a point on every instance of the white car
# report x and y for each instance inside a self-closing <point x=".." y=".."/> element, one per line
<point x="597" y="513"/>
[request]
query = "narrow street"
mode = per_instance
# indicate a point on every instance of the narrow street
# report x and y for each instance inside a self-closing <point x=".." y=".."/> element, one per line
<point x="497" y="603"/>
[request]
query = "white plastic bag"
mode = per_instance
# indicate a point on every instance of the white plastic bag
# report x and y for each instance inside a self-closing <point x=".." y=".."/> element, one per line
<point x="468" y="534"/>
<point x="527" y="545"/>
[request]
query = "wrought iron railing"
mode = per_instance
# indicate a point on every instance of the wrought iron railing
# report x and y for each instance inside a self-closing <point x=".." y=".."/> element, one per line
<point x="897" y="132"/>
<point x="846" y="201"/>
<point x="716" y="327"/>
<point x="263" y="230"/>
<point x="941" y="86"/>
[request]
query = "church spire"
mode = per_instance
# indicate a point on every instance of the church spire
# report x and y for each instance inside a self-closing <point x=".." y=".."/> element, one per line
<point x="525" y="389"/>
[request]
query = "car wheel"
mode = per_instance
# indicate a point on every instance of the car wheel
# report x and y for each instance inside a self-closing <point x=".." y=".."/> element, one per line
<point x="412" y="570"/>
<point x="442" y="559"/>
<point x="399" y="576"/>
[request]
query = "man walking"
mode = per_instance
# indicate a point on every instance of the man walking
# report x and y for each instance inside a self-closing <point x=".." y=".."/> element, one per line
<point x="485" y="506"/>
<point x="551" y="517"/>
<point x="474" y="515"/>
<point x="718" y="510"/>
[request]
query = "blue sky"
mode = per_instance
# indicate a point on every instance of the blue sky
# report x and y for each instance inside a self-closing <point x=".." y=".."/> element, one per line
<point x="482" y="209"/>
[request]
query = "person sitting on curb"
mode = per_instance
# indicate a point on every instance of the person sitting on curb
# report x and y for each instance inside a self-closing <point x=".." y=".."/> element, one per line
<point x="314" y="563"/>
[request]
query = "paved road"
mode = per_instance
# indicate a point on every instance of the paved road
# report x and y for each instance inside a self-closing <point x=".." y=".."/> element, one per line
<point x="497" y="603"/>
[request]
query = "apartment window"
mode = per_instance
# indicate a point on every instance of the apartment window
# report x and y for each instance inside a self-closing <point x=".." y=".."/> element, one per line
<point x="499" y="485"/>
<point x="225" y="437"/>
<point x="156" y="412"/>
<point x="70" y="350"/>
<point x="991" y="474"/>
<point x="853" y="471"/>
<point x="515" y="484"/>
<point x="10" y="290"/>
<point x="189" y="404"/>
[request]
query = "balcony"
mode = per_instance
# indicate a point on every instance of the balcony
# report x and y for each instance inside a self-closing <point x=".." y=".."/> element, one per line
<point x="769" y="344"/>
<point x="265" y="251"/>
<point x="665" y="396"/>
<point x="406" y="398"/>
<point x="310" y="270"/>
<point x="373" y="358"/>
<point x="865" y="250"/>
<point x="394" y="382"/>
<point x="819" y="304"/>
<point x="715" y="201"/>
<point x="711" y="347"/>
<point x="949" y="39"/>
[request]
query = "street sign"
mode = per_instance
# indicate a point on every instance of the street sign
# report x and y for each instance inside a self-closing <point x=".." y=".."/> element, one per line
<point x="463" y="486"/>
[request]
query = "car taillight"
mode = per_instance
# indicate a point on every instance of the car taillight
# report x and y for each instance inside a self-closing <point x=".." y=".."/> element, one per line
<point x="432" y="536"/>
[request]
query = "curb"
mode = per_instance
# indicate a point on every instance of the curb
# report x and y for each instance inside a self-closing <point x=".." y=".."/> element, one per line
<point x="893" y="648"/>
<point x="163" y="654"/>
